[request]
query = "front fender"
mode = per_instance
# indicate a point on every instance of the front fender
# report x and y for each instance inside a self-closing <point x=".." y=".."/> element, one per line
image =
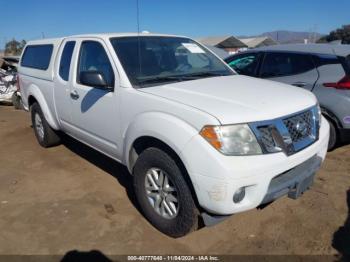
<point x="171" y="130"/>
<point x="35" y="92"/>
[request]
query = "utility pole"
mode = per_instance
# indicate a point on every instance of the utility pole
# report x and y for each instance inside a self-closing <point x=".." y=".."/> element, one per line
<point x="315" y="30"/>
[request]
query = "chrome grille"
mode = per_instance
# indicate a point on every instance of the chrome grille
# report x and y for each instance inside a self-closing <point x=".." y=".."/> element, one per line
<point x="288" y="134"/>
<point x="299" y="126"/>
<point x="267" y="139"/>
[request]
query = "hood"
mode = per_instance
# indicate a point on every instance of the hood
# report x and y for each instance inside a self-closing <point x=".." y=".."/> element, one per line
<point x="237" y="98"/>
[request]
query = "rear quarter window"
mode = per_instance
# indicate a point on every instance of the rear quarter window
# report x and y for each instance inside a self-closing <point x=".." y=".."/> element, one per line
<point x="342" y="61"/>
<point x="321" y="60"/>
<point x="37" y="56"/>
<point x="66" y="60"/>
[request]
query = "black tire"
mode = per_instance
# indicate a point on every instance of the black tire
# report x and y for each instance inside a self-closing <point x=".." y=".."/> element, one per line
<point x="186" y="219"/>
<point x="333" y="136"/>
<point x="16" y="101"/>
<point x="49" y="137"/>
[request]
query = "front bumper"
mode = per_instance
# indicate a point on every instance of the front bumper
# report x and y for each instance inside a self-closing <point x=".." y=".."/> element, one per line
<point x="293" y="182"/>
<point x="217" y="177"/>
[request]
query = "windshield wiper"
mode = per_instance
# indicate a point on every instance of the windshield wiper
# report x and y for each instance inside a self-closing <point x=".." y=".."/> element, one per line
<point x="159" y="79"/>
<point x="177" y="78"/>
<point x="203" y="74"/>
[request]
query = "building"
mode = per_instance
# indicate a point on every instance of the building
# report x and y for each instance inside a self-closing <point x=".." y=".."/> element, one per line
<point x="255" y="42"/>
<point x="230" y="44"/>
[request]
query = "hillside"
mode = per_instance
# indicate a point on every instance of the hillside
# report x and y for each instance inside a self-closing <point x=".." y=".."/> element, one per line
<point x="285" y="37"/>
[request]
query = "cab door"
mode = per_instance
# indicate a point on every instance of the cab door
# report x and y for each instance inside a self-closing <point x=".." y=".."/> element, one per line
<point x="95" y="110"/>
<point x="62" y="79"/>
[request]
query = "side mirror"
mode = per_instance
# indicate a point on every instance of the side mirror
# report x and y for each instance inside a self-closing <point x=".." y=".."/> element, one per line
<point x="94" y="79"/>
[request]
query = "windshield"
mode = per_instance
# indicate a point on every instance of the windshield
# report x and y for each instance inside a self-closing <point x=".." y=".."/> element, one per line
<point x="165" y="59"/>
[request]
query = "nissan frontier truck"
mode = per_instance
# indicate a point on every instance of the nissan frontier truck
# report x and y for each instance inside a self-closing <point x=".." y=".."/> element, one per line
<point x="200" y="141"/>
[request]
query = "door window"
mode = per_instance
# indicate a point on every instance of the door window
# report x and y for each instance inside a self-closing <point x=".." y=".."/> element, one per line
<point x="93" y="57"/>
<point x="284" y="64"/>
<point x="66" y="60"/>
<point x="245" y="64"/>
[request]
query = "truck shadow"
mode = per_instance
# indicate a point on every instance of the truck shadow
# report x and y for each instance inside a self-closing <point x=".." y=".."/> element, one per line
<point x="91" y="97"/>
<point x="110" y="166"/>
<point x="341" y="238"/>
<point x="90" y="256"/>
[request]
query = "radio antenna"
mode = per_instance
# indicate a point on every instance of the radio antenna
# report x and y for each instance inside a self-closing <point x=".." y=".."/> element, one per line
<point x="138" y="34"/>
<point x="138" y="16"/>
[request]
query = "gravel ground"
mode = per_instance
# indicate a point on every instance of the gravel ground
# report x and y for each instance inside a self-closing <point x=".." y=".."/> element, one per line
<point x="71" y="197"/>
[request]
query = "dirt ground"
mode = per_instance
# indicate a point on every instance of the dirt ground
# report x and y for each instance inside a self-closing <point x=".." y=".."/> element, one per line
<point x="71" y="197"/>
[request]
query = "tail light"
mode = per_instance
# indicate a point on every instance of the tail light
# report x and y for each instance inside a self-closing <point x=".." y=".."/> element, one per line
<point x="344" y="83"/>
<point x="17" y="83"/>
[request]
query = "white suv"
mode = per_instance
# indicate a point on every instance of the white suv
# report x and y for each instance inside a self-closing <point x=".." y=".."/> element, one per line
<point x="199" y="140"/>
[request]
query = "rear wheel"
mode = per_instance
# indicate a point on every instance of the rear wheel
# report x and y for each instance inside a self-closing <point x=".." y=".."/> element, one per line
<point x="163" y="193"/>
<point x="45" y="135"/>
<point x="16" y="101"/>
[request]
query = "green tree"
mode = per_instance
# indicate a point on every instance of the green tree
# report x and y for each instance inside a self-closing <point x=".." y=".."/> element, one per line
<point x="342" y="34"/>
<point x="22" y="44"/>
<point x="14" y="47"/>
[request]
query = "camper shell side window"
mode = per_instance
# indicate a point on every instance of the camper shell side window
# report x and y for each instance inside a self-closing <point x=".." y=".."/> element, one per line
<point x="37" y="56"/>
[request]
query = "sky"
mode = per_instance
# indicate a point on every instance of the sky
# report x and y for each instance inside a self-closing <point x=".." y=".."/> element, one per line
<point x="33" y="19"/>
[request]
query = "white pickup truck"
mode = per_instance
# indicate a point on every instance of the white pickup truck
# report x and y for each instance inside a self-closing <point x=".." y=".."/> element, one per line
<point x="200" y="141"/>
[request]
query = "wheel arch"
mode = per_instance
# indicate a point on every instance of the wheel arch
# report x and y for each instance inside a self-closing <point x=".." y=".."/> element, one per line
<point x="166" y="128"/>
<point x="35" y="96"/>
<point x="168" y="131"/>
<point x="31" y="100"/>
<point x="144" y="142"/>
<point x="329" y="115"/>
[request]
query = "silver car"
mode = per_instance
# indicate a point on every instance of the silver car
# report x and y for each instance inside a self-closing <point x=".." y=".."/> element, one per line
<point x="324" y="69"/>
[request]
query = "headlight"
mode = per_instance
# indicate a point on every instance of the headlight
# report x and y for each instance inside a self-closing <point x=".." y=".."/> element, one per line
<point x="232" y="139"/>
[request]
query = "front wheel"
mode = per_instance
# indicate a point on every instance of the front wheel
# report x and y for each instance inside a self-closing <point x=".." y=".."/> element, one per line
<point x="163" y="194"/>
<point x="45" y="135"/>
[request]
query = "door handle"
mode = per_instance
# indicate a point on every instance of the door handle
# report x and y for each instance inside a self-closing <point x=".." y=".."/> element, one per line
<point x="74" y="94"/>
<point x="299" y="84"/>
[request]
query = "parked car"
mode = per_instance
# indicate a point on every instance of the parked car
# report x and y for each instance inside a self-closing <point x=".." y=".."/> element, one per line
<point x="200" y="141"/>
<point x="8" y="88"/>
<point x="323" y="69"/>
